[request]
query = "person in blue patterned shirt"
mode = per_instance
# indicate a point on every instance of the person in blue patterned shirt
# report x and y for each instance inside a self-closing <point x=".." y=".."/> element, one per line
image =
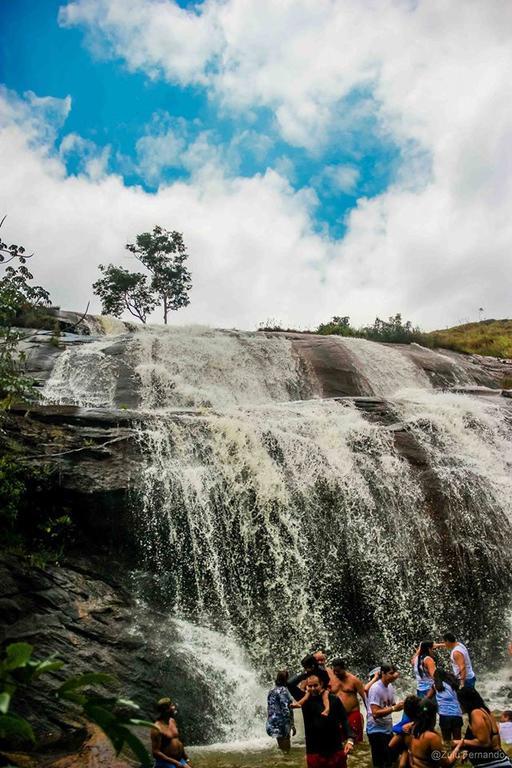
<point x="280" y="715"/>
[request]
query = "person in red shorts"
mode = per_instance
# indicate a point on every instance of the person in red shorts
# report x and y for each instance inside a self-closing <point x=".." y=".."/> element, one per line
<point x="325" y="735"/>
<point x="348" y="687"/>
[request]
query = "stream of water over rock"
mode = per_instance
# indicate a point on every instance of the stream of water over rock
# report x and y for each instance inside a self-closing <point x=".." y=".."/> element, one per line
<point x="271" y="519"/>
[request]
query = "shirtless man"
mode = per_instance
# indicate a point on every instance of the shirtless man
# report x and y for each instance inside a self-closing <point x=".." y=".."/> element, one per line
<point x="166" y="745"/>
<point x="348" y="687"/>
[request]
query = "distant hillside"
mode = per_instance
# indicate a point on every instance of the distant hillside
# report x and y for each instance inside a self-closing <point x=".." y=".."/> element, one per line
<point x="488" y="337"/>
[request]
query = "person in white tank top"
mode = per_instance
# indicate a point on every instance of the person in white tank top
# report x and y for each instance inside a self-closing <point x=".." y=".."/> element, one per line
<point x="424" y="667"/>
<point x="461" y="661"/>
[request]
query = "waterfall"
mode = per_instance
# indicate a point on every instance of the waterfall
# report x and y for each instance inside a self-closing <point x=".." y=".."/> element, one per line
<point x="278" y="520"/>
<point x="84" y="376"/>
<point x="385" y="368"/>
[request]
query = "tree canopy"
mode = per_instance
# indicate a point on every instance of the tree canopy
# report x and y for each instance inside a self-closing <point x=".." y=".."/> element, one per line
<point x="17" y="295"/>
<point x="121" y="290"/>
<point x="167" y="282"/>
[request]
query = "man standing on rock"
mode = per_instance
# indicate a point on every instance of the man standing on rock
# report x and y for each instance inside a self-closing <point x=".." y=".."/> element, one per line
<point x="324" y="734"/>
<point x="348" y="688"/>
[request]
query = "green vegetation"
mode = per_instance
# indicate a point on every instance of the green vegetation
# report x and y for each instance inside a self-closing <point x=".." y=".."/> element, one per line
<point x="17" y="295"/>
<point x="393" y="330"/>
<point x="166" y="283"/>
<point x="30" y="523"/>
<point x="488" y="337"/>
<point x="33" y="524"/>
<point x="115" y="716"/>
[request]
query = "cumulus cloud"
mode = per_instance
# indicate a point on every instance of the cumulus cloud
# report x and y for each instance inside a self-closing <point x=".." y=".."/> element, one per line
<point x="432" y="76"/>
<point x="157" y="37"/>
<point x="90" y="159"/>
<point x="253" y="253"/>
<point x="340" y="178"/>
<point x="41" y="117"/>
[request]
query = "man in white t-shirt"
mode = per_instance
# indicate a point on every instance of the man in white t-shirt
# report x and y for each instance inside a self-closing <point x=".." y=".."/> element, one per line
<point x="379" y="723"/>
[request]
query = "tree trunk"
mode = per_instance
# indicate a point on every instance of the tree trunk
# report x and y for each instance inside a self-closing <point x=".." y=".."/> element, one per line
<point x="165" y="310"/>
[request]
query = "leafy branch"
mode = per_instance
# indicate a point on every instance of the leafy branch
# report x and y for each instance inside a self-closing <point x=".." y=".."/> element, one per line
<point x="115" y="716"/>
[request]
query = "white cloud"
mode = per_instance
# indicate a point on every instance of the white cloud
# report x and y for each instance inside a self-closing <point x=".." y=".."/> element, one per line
<point x="40" y="117"/>
<point x="340" y="178"/>
<point x="91" y="159"/>
<point x="435" y="79"/>
<point x="161" y="37"/>
<point x="252" y="250"/>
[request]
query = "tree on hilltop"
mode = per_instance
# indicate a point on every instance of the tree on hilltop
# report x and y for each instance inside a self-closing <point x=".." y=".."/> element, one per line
<point x="164" y="254"/>
<point x="167" y="283"/>
<point x="120" y="289"/>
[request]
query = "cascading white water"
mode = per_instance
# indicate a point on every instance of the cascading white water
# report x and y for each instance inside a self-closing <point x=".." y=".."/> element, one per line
<point x="223" y="667"/>
<point x="84" y="376"/>
<point x="284" y="520"/>
<point x="200" y="367"/>
<point x="385" y="368"/>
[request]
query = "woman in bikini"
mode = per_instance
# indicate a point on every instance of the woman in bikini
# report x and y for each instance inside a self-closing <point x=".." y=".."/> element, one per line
<point x="425" y="744"/>
<point x="482" y="741"/>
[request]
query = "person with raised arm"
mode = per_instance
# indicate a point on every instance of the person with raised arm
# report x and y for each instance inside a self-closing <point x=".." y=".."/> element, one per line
<point x="424" y="667"/>
<point x="460" y="658"/>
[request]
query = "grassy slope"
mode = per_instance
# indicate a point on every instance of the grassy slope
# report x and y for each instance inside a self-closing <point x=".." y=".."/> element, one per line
<point x="489" y="337"/>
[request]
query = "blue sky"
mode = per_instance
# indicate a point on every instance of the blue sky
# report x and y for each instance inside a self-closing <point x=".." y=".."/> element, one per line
<point x="114" y="107"/>
<point x="321" y="157"/>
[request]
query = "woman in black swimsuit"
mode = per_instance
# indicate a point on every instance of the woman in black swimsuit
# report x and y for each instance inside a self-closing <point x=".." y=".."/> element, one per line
<point x="482" y="739"/>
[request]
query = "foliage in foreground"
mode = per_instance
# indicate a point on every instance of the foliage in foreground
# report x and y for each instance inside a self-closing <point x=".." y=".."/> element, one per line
<point x="115" y="716"/>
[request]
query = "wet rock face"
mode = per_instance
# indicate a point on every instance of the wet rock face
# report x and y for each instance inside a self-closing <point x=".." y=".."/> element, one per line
<point x="93" y="451"/>
<point x="87" y="622"/>
<point x="84" y="612"/>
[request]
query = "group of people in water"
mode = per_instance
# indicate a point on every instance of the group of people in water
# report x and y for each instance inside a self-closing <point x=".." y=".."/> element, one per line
<point x="330" y="696"/>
